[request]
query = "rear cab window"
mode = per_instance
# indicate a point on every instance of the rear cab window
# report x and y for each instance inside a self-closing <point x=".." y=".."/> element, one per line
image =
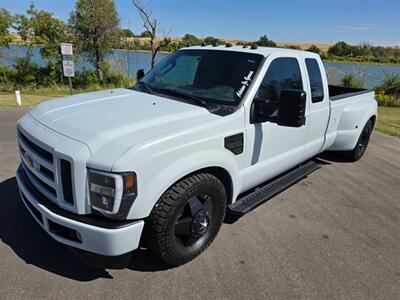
<point x="315" y="78"/>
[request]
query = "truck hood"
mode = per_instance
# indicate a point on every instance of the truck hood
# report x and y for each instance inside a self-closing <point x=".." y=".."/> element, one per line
<point x="109" y="122"/>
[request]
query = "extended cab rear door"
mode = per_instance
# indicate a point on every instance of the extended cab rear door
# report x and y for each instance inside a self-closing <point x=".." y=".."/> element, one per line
<point x="318" y="101"/>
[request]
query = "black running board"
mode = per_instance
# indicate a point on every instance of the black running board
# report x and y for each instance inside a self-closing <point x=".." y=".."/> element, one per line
<point x="250" y="201"/>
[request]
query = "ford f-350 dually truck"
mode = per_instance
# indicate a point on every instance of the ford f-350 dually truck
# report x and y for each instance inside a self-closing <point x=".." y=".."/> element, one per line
<point x="209" y="130"/>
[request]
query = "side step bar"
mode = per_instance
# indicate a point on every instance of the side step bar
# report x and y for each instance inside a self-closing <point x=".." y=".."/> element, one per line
<point x="250" y="201"/>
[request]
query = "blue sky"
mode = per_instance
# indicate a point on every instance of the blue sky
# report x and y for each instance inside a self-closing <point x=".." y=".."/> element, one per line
<point x="324" y="21"/>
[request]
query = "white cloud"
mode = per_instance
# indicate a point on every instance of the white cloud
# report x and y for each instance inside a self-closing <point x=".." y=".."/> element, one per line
<point x="358" y="27"/>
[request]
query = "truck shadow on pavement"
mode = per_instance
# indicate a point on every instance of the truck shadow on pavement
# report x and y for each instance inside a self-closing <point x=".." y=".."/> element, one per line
<point x="24" y="236"/>
<point x="328" y="157"/>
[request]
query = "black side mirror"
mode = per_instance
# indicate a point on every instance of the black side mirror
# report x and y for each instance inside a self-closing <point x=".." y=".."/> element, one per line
<point x="292" y="108"/>
<point x="139" y="74"/>
<point x="288" y="111"/>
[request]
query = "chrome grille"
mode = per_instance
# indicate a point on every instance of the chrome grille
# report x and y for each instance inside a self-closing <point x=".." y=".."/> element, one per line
<point x="40" y="166"/>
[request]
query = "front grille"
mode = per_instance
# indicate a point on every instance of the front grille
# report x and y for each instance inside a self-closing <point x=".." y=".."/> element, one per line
<point x="38" y="180"/>
<point x="47" y="172"/>
<point x="40" y="151"/>
<point x="40" y="166"/>
<point x="66" y="178"/>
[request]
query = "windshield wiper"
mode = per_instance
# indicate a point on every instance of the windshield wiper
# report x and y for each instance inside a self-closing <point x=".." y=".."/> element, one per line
<point x="183" y="94"/>
<point x="147" y="86"/>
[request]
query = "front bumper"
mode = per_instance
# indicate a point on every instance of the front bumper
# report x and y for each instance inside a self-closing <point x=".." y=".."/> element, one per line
<point x="89" y="233"/>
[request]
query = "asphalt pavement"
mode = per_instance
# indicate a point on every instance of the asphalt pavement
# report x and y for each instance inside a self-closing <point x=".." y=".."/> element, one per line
<point x="335" y="234"/>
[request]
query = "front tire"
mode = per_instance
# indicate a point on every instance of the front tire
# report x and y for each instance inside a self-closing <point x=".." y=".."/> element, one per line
<point x="362" y="143"/>
<point x="186" y="219"/>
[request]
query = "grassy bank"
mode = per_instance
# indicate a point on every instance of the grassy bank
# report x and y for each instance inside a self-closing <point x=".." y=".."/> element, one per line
<point x="28" y="100"/>
<point x="355" y="62"/>
<point x="389" y="120"/>
<point x="388" y="117"/>
<point x="31" y="98"/>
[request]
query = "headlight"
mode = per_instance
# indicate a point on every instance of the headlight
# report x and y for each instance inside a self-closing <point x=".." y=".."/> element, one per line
<point x="111" y="192"/>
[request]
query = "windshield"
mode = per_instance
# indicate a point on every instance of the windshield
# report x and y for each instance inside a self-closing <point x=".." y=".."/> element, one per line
<point x="208" y="76"/>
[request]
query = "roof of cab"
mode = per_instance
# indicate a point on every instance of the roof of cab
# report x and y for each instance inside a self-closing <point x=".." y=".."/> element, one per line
<point x="265" y="51"/>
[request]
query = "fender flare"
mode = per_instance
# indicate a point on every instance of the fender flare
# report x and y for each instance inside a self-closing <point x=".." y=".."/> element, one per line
<point x="149" y="194"/>
<point x="352" y="121"/>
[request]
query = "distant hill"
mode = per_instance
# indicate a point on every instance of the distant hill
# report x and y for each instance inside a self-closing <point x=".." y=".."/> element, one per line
<point x="144" y="40"/>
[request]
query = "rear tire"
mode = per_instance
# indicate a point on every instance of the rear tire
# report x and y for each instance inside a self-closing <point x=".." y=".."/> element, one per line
<point x="186" y="219"/>
<point x="362" y="143"/>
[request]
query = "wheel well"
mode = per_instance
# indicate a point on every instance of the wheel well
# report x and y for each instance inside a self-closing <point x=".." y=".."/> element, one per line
<point x="373" y="119"/>
<point x="223" y="175"/>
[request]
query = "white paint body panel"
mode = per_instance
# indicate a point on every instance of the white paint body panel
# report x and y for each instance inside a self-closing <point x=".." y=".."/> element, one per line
<point x="163" y="140"/>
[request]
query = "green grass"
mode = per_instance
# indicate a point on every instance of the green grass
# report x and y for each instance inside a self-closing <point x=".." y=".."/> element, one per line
<point x="389" y="120"/>
<point x="30" y="98"/>
<point x="388" y="117"/>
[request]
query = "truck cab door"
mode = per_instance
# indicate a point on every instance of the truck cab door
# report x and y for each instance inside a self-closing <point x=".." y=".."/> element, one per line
<point x="319" y="109"/>
<point x="272" y="147"/>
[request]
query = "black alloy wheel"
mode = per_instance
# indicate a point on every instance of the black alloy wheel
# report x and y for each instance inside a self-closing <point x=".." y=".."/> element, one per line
<point x="186" y="218"/>
<point x="362" y="143"/>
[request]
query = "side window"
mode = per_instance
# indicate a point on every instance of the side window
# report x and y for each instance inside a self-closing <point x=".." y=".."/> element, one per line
<point x="283" y="73"/>
<point x="314" y="74"/>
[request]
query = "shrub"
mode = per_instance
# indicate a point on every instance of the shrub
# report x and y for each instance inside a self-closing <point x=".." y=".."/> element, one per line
<point x="7" y="77"/>
<point x="294" y="47"/>
<point x="352" y="80"/>
<point x="265" y="41"/>
<point x="26" y="72"/>
<point x="85" y="79"/>
<point x="390" y="85"/>
<point x="49" y="75"/>
<point x="387" y="100"/>
<point x="117" y="79"/>
<point x="314" y="49"/>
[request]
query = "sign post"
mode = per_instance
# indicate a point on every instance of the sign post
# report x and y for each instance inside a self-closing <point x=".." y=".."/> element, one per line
<point x="68" y="63"/>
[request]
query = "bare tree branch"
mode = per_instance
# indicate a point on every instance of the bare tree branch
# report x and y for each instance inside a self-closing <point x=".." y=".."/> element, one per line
<point x="150" y="24"/>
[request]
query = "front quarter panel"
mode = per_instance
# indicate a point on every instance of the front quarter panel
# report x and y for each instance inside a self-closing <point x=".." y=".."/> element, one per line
<point x="164" y="160"/>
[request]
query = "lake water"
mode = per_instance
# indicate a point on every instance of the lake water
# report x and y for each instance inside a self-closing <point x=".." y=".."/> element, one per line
<point x="134" y="60"/>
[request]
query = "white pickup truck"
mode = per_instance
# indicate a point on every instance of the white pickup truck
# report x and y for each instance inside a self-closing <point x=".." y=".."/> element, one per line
<point x="210" y="130"/>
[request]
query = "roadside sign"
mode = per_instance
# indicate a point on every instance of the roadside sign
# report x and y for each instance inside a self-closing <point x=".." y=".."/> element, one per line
<point x="68" y="67"/>
<point x="66" y="49"/>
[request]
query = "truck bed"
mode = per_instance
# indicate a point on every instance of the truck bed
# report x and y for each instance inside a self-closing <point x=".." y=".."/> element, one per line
<point x="339" y="92"/>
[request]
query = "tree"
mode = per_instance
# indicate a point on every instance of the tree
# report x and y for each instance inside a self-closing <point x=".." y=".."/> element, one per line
<point x="190" y="39"/>
<point x="41" y="27"/>
<point x="126" y="33"/>
<point x="340" y="49"/>
<point x="95" y="25"/>
<point x="265" y="41"/>
<point x="314" y="49"/>
<point x="145" y="34"/>
<point x="5" y="24"/>
<point x="294" y="47"/>
<point x="151" y="26"/>
<point x="210" y="40"/>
